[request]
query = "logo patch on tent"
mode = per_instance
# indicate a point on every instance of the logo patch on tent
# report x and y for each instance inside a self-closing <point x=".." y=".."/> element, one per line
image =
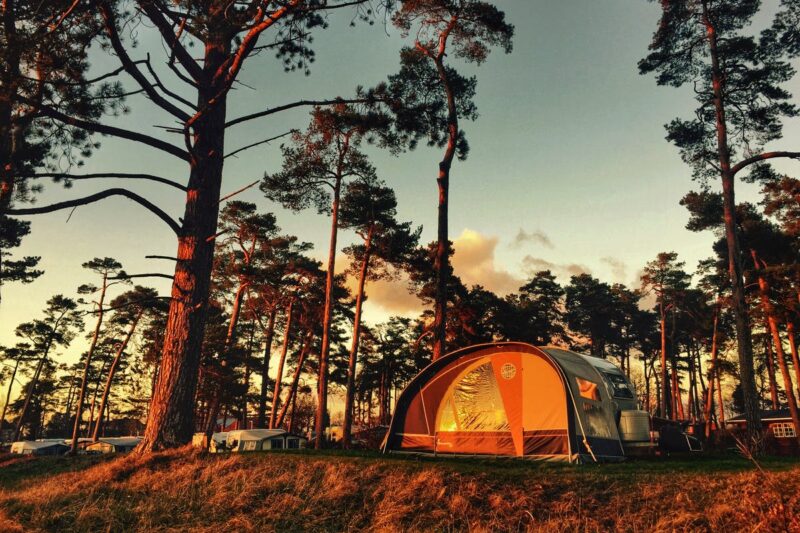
<point x="508" y="371"/>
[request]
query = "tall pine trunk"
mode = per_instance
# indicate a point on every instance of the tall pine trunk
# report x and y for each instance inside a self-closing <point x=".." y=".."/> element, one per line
<point x="8" y="394"/>
<point x="111" y="372"/>
<point x="441" y="262"/>
<point x="292" y="396"/>
<point x="171" y="418"/>
<point x="769" y="311"/>
<point x="773" y="385"/>
<point x="8" y="87"/>
<point x="664" y="405"/>
<point x="87" y="366"/>
<point x="351" y="365"/>
<point x="744" y="346"/>
<point x="261" y="417"/>
<point x="793" y="348"/>
<point x="322" y="383"/>
<point x="35" y="380"/>
<point x="709" y="405"/>
<point x="276" y="395"/>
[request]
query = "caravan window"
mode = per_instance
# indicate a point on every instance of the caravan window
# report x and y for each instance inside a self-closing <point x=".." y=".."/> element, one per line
<point x="249" y="445"/>
<point x="293" y="444"/>
<point x="276" y="444"/>
<point x="619" y="386"/>
<point x="588" y="389"/>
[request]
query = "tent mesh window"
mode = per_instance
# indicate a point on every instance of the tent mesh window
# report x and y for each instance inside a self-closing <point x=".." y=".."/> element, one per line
<point x="474" y="403"/>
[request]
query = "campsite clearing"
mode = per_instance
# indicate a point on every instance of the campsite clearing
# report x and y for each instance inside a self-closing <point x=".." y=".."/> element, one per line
<point x="305" y="490"/>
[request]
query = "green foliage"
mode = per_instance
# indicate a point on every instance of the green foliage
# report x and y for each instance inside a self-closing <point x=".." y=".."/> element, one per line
<point x="22" y="270"/>
<point x="419" y="102"/>
<point x="752" y="77"/>
<point x="371" y="209"/>
<point x="320" y="159"/>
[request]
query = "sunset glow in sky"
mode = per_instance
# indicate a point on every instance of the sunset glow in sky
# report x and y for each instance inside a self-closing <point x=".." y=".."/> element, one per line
<point x="568" y="168"/>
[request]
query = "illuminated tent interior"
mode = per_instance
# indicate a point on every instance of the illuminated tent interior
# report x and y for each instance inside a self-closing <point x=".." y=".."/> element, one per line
<point x="514" y="399"/>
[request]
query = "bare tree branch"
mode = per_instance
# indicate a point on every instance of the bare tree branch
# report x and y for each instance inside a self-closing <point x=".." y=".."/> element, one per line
<point x="130" y="66"/>
<point x="234" y="193"/>
<point x="163" y="88"/>
<point x="99" y="196"/>
<point x="299" y="103"/>
<point x="265" y="141"/>
<point x="763" y="157"/>
<point x="150" y="275"/>
<point x="115" y="175"/>
<point x="155" y="14"/>
<point x="48" y="111"/>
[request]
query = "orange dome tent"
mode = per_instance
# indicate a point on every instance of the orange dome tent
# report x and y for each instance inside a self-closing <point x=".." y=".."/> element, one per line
<point x="513" y="399"/>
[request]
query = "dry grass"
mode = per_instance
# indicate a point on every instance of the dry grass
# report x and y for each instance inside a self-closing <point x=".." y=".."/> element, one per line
<point x="183" y="490"/>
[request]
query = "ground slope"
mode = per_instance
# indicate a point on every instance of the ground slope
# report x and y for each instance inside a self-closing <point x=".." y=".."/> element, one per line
<point x="184" y="490"/>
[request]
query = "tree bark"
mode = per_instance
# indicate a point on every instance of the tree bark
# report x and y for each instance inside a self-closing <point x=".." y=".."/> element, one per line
<point x="665" y="411"/>
<point x="35" y="378"/>
<point x="262" y="397"/>
<point x="96" y="389"/>
<point x="744" y="345"/>
<point x="769" y="310"/>
<point x="442" y="260"/>
<point x="170" y="421"/>
<point x="351" y="365"/>
<point x="292" y="397"/>
<point x="84" y="380"/>
<point x="276" y="396"/>
<point x="709" y="406"/>
<point x="322" y="383"/>
<point x="793" y="348"/>
<point x="219" y="384"/>
<point x="111" y="372"/>
<point x="8" y="394"/>
<point x="773" y="385"/>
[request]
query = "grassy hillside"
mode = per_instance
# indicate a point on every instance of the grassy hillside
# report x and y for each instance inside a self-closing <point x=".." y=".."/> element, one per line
<point x="334" y="492"/>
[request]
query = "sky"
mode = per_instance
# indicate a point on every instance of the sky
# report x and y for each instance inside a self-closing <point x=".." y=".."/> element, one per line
<point x="568" y="169"/>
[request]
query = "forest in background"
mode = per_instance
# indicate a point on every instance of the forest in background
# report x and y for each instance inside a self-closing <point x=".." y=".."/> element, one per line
<point x="248" y="300"/>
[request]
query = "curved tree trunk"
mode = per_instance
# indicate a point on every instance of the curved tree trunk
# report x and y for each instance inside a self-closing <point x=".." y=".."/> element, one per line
<point x="276" y="396"/>
<point x="793" y="348"/>
<point x="664" y="405"/>
<point x="769" y="311"/>
<point x="441" y="262"/>
<point x="8" y="394"/>
<point x="773" y="385"/>
<point x="35" y="379"/>
<point x="292" y="397"/>
<point x="170" y="421"/>
<point x="84" y="380"/>
<point x="261" y="418"/>
<point x="111" y="372"/>
<point x="351" y="365"/>
<point x="709" y="405"/>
